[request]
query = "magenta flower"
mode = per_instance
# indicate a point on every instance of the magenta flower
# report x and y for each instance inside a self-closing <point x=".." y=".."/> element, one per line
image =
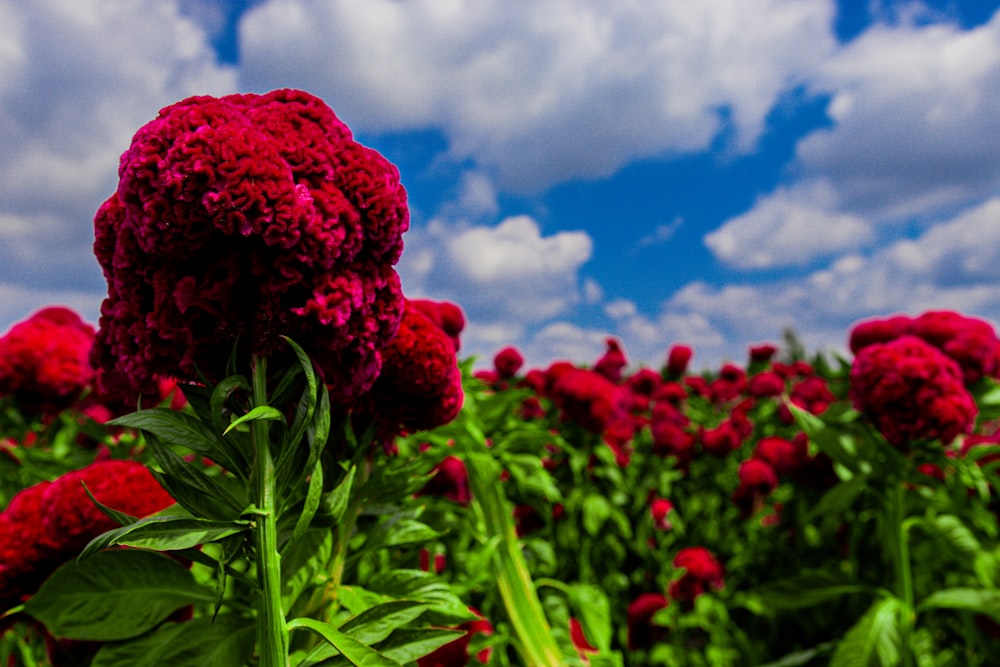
<point x="677" y="360"/>
<point x="50" y="523"/>
<point x="44" y="360"/>
<point x="642" y="633"/>
<point x="702" y="572"/>
<point x="507" y="362"/>
<point x="245" y="218"/>
<point x="911" y="391"/>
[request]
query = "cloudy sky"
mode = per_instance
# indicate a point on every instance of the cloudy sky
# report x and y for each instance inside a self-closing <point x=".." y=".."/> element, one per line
<point x="703" y="172"/>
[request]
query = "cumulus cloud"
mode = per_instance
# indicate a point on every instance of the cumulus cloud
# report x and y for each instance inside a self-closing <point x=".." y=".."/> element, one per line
<point x="77" y="78"/>
<point x="550" y="91"/>
<point x="789" y="227"/>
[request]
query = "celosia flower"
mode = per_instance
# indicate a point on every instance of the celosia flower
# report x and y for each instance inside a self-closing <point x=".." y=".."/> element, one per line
<point x="445" y="315"/>
<point x="677" y="361"/>
<point x="702" y="572"/>
<point x="723" y="439"/>
<point x="44" y="360"/>
<point x="642" y="632"/>
<point x="610" y="365"/>
<point x="911" y="391"/>
<point x="785" y="456"/>
<point x="763" y="353"/>
<point x="812" y="394"/>
<point x="660" y="509"/>
<point x="732" y="382"/>
<point x="450" y="480"/>
<point x="766" y="383"/>
<point x="48" y="524"/>
<point x="588" y="398"/>
<point x="242" y="219"/>
<point x="420" y="385"/>
<point x="508" y="362"/>
<point x="757" y="480"/>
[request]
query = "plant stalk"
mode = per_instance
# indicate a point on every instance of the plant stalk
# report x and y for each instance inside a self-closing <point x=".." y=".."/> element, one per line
<point x="901" y="565"/>
<point x="272" y="634"/>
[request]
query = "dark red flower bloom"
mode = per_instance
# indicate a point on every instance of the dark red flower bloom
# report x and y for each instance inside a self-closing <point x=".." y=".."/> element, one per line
<point x="610" y="365"/>
<point x="677" y="360"/>
<point x="762" y="353"/>
<point x="660" y="509"/>
<point x="723" y="439"/>
<point x="580" y="641"/>
<point x="702" y="572"/>
<point x="766" y="383"/>
<point x="445" y="315"/>
<point x="642" y="633"/>
<point x="48" y="524"/>
<point x="911" y="391"/>
<point x="420" y="385"/>
<point x="732" y="382"/>
<point x="588" y="398"/>
<point x="245" y="218"/>
<point x="785" y="456"/>
<point x="44" y="360"/>
<point x="757" y="480"/>
<point x="812" y="394"/>
<point x="450" y="480"/>
<point x="507" y="362"/>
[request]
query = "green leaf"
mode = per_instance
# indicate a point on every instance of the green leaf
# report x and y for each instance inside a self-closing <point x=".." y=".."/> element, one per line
<point x="596" y="510"/>
<point x="406" y="645"/>
<point x="375" y="624"/>
<point x="874" y="640"/>
<point x="120" y="518"/>
<point x="260" y="413"/>
<point x="399" y="532"/>
<point x="957" y="534"/>
<point x="825" y="437"/>
<point x="807" y="589"/>
<point x="307" y="403"/>
<point x="359" y="654"/>
<point x="166" y="533"/>
<point x="313" y="496"/>
<point x="335" y="502"/>
<point x="838" y="499"/>
<point x="593" y="609"/>
<point x="179" y="429"/>
<point x="977" y="600"/>
<point x="302" y="561"/>
<point x="194" y="490"/>
<point x="226" y="641"/>
<point x="114" y="595"/>
<point x="424" y="587"/>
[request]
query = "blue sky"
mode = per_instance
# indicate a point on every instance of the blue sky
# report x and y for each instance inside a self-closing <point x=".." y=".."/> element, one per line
<point x="705" y="173"/>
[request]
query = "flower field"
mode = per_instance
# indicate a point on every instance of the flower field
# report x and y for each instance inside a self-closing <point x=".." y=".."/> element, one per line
<point x="265" y="454"/>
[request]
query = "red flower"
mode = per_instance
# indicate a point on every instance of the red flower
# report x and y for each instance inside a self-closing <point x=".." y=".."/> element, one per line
<point x="611" y="364"/>
<point x="44" y="360"/>
<point x="580" y="641"/>
<point x="911" y="391"/>
<point x="812" y="394"/>
<point x="642" y="633"/>
<point x="766" y="383"/>
<point x="420" y="385"/>
<point x="785" y="456"/>
<point x="702" y="572"/>
<point x="588" y="398"/>
<point x="445" y="315"/>
<point x="757" y="480"/>
<point x="723" y="439"/>
<point x="507" y="362"/>
<point x="450" y="480"/>
<point x="677" y="360"/>
<point x="762" y="354"/>
<point x="48" y="524"/>
<point x="660" y="509"/>
<point x="245" y="218"/>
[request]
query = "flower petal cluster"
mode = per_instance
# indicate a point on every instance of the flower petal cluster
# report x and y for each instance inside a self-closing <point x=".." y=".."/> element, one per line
<point x="911" y="391"/>
<point x="702" y="572"/>
<point x="587" y="398"/>
<point x="246" y="218"/>
<point x="44" y="360"/>
<point x="642" y="633"/>
<point x="970" y="341"/>
<point x="420" y="385"/>
<point x="48" y="524"/>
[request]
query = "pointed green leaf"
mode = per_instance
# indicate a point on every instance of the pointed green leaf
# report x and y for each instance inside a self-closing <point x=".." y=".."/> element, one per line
<point x="114" y="595"/>
<point x="302" y="560"/>
<point x="957" y="534"/>
<point x="358" y="653"/>
<point x="808" y="588"/>
<point x="167" y="533"/>
<point x="977" y="600"/>
<point x="180" y="429"/>
<point x="335" y="502"/>
<point x="226" y="641"/>
<point x="874" y="640"/>
<point x="406" y="645"/>
<point x="193" y="489"/>
<point x="825" y="437"/>
<point x="375" y="624"/>
<point x="260" y="413"/>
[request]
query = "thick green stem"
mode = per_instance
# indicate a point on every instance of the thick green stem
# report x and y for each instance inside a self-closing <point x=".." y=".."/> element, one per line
<point x="900" y="546"/>
<point x="272" y="634"/>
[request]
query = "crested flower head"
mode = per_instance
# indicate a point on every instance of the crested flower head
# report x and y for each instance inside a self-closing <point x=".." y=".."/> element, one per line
<point x="44" y="360"/>
<point x="241" y="219"/>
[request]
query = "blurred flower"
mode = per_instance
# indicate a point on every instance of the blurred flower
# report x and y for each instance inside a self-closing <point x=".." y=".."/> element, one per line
<point x="50" y="523"/>
<point x="762" y="353"/>
<point x="580" y="641"/>
<point x="44" y="360"/>
<point x="587" y="398"/>
<point x="450" y="480"/>
<point x="786" y="456"/>
<point x="678" y="359"/>
<point x="757" y="480"/>
<point x="911" y="391"/>
<point x="456" y="653"/>
<point x="610" y="365"/>
<point x="447" y="316"/>
<point x="660" y="509"/>
<point x="766" y="383"/>
<point x="242" y="219"/>
<point x="508" y="362"/>
<point x="642" y="633"/>
<point x="702" y="572"/>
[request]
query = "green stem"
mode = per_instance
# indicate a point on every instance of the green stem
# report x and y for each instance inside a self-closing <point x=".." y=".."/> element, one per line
<point x="272" y="635"/>
<point x="900" y="544"/>
<point x="345" y="528"/>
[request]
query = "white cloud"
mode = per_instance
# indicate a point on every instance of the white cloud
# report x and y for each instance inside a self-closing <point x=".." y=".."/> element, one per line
<point x="540" y="93"/>
<point x="77" y="79"/>
<point x="789" y="228"/>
